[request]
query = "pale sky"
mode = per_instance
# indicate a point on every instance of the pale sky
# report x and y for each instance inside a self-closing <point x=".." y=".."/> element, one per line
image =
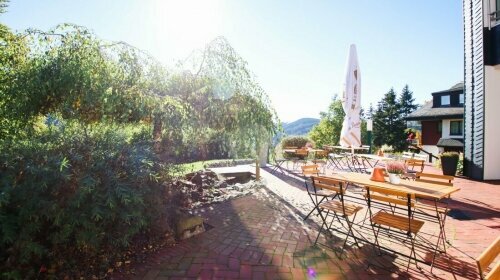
<point x="297" y="49"/>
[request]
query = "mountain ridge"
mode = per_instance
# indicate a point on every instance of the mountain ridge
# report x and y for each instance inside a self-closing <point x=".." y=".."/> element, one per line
<point x="301" y="126"/>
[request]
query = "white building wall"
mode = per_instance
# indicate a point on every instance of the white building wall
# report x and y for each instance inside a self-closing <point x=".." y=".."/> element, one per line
<point x="492" y="123"/>
<point x="435" y="150"/>
<point x="445" y="132"/>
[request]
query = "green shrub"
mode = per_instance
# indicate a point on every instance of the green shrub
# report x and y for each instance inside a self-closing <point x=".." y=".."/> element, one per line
<point x="450" y="155"/>
<point x="460" y="165"/>
<point x="73" y="194"/>
<point x="294" y="141"/>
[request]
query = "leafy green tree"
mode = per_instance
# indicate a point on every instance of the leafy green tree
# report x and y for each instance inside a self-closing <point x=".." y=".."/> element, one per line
<point x="3" y="6"/>
<point x="76" y="119"/>
<point x="70" y="72"/>
<point x="388" y="124"/>
<point x="370" y="112"/>
<point x="327" y="131"/>
<point x="225" y="100"/>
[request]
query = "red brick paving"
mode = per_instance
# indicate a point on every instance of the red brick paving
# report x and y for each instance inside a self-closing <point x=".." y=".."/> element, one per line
<point x="261" y="237"/>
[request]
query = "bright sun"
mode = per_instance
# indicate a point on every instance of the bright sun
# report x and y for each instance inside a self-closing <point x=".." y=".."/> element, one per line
<point x="188" y="23"/>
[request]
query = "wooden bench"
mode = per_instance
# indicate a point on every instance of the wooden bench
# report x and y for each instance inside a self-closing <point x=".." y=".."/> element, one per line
<point x="486" y="258"/>
<point x="435" y="178"/>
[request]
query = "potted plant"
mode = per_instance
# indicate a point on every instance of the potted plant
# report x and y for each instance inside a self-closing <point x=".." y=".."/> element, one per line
<point x="449" y="162"/>
<point x="395" y="169"/>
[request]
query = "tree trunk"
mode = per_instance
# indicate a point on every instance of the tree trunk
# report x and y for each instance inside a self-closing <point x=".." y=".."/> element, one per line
<point x="157" y="128"/>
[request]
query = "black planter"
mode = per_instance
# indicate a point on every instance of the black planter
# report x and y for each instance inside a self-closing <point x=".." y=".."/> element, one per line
<point x="449" y="165"/>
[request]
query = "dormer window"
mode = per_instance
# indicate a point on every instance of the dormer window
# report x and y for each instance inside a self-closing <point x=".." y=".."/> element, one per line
<point x="461" y="97"/>
<point x="445" y="100"/>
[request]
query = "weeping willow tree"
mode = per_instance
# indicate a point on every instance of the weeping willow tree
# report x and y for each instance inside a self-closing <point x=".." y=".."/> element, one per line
<point x="225" y="101"/>
<point x="210" y="101"/>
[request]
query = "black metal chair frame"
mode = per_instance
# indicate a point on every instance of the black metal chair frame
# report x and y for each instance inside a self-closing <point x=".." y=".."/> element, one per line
<point x="313" y="195"/>
<point x="334" y="215"/>
<point x="334" y="160"/>
<point x="277" y="163"/>
<point x="409" y="205"/>
<point x="441" y="219"/>
<point x="299" y="159"/>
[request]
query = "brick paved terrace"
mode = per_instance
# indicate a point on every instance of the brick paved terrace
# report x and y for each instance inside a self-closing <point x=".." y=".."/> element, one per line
<point x="263" y="236"/>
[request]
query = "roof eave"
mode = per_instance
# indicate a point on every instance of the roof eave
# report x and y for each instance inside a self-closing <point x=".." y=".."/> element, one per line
<point x="434" y="117"/>
<point x="447" y="91"/>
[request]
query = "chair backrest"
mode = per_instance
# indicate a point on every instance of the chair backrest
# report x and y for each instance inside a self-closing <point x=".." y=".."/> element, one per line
<point x="326" y="183"/>
<point x="310" y="170"/>
<point x="435" y="179"/>
<point x="415" y="164"/>
<point x="302" y="152"/>
<point x="321" y="154"/>
<point x="390" y="196"/>
<point x="421" y="156"/>
<point x="410" y="155"/>
<point x="407" y="155"/>
<point x="486" y="258"/>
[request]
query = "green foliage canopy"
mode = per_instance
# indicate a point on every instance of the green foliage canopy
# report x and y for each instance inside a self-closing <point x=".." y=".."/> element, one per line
<point x="388" y="123"/>
<point x="89" y="181"/>
<point x="327" y="132"/>
<point x="68" y="71"/>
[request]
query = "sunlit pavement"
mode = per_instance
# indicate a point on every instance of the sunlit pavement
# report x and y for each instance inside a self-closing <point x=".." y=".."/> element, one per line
<point x="263" y="236"/>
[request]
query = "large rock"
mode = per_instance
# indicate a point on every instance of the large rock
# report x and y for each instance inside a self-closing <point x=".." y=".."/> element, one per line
<point x="189" y="225"/>
<point x="197" y="179"/>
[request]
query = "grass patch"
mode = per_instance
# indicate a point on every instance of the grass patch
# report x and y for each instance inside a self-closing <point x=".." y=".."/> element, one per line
<point x="186" y="168"/>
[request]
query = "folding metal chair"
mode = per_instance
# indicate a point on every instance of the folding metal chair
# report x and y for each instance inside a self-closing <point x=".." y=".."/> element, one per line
<point x="316" y="195"/>
<point x="278" y="162"/>
<point x="485" y="260"/>
<point x="440" y="211"/>
<point x="321" y="157"/>
<point x="335" y="160"/>
<point x="300" y="157"/>
<point x="336" y="209"/>
<point x="406" y="224"/>
<point x="413" y="167"/>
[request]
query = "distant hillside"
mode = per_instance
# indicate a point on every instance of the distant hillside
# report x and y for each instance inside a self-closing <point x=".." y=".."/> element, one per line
<point x="300" y="126"/>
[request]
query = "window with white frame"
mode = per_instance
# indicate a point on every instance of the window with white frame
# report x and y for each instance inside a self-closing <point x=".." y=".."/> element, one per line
<point x="445" y="100"/>
<point x="461" y="97"/>
<point x="456" y="128"/>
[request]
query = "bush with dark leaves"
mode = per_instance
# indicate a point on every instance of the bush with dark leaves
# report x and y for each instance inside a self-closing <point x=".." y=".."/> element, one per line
<point x="73" y="194"/>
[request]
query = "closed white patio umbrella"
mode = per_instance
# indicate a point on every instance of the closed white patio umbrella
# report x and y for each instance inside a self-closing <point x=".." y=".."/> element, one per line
<point x="350" y="137"/>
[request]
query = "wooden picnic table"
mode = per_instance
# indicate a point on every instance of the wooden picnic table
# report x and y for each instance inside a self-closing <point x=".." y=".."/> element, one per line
<point x="347" y="149"/>
<point x="292" y="151"/>
<point x="420" y="189"/>
<point x="374" y="157"/>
